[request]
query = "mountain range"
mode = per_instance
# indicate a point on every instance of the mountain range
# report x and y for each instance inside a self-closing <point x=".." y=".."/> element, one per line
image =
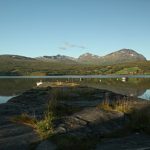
<point x="124" y="61"/>
<point x="120" y="56"/>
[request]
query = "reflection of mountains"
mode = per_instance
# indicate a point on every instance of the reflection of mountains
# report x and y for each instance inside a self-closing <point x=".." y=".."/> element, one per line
<point x="133" y="87"/>
<point x="10" y="87"/>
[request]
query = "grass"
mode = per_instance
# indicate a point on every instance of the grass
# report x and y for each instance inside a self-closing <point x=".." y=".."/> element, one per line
<point x="43" y="127"/>
<point x="60" y="109"/>
<point x="129" y="70"/>
<point x="138" y="115"/>
<point x="25" y="119"/>
<point x="123" y="105"/>
<point x="138" y="121"/>
<point x="28" y="66"/>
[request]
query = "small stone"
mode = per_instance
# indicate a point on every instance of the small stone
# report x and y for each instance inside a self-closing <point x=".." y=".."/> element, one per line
<point x="60" y="130"/>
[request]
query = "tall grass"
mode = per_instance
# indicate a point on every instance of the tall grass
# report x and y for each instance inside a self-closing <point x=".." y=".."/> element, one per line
<point x="138" y="115"/>
<point x="121" y="105"/>
<point x="44" y="127"/>
<point x="25" y="119"/>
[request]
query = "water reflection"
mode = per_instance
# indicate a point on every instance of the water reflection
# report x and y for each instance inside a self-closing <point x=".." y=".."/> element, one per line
<point x="4" y="99"/>
<point x="137" y="87"/>
<point x="146" y="95"/>
<point x="132" y="87"/>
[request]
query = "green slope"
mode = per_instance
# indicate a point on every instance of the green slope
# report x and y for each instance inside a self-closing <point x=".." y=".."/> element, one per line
<point x="19" y="65"/>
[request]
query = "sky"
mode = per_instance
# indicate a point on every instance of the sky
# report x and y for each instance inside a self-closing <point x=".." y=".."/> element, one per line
<point x="73" y="27"/>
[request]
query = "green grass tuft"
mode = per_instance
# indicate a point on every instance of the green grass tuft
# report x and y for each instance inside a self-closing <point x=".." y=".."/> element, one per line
<point x="43" y="127"/>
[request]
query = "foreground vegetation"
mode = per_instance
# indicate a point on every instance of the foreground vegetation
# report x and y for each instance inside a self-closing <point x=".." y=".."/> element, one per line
<point x="43" y="127"/>
<point x="136" y="116"/>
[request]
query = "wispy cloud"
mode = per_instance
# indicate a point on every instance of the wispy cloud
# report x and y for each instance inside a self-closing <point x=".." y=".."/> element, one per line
<point x="68" y="45"/>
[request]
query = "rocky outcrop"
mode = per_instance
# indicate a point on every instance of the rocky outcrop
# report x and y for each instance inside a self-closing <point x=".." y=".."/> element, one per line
<point x="86" y="121"/>
<point x="91" y="121"/>
<point x="120" y="56"/>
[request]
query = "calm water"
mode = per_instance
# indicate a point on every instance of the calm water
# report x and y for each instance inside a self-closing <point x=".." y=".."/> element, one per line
<point x="137" y="86"/>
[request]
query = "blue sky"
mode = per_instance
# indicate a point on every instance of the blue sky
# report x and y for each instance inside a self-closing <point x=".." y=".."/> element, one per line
<point x="72" y="27"/>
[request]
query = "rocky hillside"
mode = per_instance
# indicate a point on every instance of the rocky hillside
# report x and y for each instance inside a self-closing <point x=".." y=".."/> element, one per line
<point x="121" y="56"/>
<point x="57" y="58"/>
<point x="15" y="57"/>
<point x="88" y="58"/>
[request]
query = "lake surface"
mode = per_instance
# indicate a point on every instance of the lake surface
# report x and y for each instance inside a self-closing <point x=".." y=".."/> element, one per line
<point x="136" y="86"/>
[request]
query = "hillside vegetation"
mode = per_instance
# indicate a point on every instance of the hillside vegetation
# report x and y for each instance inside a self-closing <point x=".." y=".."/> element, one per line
<point x="19" y="65"/>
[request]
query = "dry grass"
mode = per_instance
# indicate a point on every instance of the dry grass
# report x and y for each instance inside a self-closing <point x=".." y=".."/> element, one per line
<point x="123" y="105"/>
<point x="138" y="113"/>
<point x="43" y="127"/>
<point x="105" y="105"/>
<point x="25" y="119"/>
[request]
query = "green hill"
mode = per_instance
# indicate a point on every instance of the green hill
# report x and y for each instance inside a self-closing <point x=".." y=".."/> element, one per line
<point x="20" y="65"/>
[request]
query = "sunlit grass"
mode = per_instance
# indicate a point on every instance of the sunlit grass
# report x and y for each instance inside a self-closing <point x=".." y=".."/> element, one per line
<point x="138" y="115"/>
<point x="43" y="127"/>
<point x="123" y="105"/>
<point x="24" y="118"/>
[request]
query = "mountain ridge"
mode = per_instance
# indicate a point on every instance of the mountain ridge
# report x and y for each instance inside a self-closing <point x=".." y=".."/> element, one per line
<point x="120" y="56"/>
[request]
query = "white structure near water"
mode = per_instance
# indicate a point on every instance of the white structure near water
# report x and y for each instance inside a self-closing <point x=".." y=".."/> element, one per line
<point x="124" y="79"/>
<point x="39" y="83"/>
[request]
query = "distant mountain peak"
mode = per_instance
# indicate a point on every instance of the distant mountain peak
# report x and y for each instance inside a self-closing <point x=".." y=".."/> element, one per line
<point x="16" y="57"/>
<point x="88" y="58"/>
<point x="124" y="50"/>
<point x="88" y="55"/>
<point x="58" y="58"/>
<point x="120" y="56"/>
